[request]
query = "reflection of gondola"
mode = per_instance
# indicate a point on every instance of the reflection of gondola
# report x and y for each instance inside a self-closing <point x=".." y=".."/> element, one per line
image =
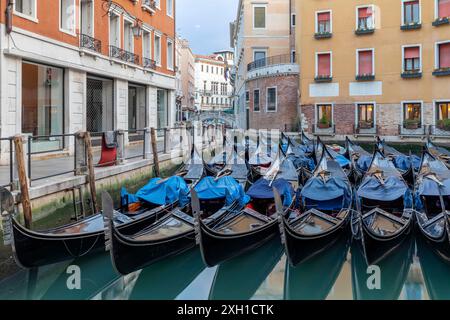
<point x="384" y="209"/>
<point x="96" y="274"/>
<point x="432" y="203"/>
<point x="167" y="278"/>
<point x="435" y="271"/>
<point x="314" y="278"/>
<point x="240" y="277"/>
<point x="325" y="211"/>
<point x="392" y="275"/>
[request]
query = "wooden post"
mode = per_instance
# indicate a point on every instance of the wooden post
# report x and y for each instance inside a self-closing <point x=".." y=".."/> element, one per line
<point x="155" y="152"/>
<point x="91" y="172"/>
<point x="23" y="180"/>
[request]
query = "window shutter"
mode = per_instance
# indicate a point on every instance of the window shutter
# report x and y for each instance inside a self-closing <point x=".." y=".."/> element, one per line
<point x="365" y="62"/>
<point x="444" y="8"/>
<point x="444" y="55"/>
<point x="412" y="53"/>
<point x="324" y="64"/>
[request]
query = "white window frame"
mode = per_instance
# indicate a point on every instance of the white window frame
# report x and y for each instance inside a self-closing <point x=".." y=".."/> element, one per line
<point x="403" y="55"/>
<point x="131" y="22"/>
<point x="373" y="60"/>
<point x="374" y="22"/>
<point x="316" y="27"/>
<point x="436" y="52"/>
<point x="435" y="101"/>
<point x="402" y="113"/>
<point x="259" y="104"/>
<point x="317" y="62"/>
<point x="171" y="68"/>
<point x="403" y="11"/>
<point x="92" y="18"/>
<point x="118" y="27"/>
<point x="74" y="32"/>
<point x="374" y="111"/>
<point x="267" y="99"/>
<point x="156" y="54"/>
<point x="158" y="4"/>
<point x="316" y="113"/>
<point x="265" y="16"/>
<point x="167" y="8"/>
<point x="254" y="50"/>
<point x="26" y="16"/>
<point x="149" y="35"/>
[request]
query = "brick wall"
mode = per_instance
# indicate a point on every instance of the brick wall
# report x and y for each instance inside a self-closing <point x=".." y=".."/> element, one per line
<point x="286" y="116"/>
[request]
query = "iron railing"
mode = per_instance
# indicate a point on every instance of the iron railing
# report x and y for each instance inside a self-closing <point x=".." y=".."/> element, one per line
<point x="274" y="60"/>
<point x="148" y="63"/>
<point x="331" y="130"/>
<point x="90" y="43"/>
<point x="121" y="54"/>
<point x="420" y="131"/>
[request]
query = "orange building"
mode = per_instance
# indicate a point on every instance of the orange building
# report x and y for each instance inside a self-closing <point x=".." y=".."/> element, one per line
<point x="96" y="65"/>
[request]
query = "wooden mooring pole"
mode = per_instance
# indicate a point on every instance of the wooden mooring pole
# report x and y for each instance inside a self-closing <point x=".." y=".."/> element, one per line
<point x="155" y="152"/>
<point x="91" y="172"/>
<point x="23" y="180"/>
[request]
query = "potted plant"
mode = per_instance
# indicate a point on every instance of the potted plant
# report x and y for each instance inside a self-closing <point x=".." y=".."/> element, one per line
<point x="411" y="124"/>
<point x="364" y="124"/>
<point x="324" y="123"/>
<point x="444" y="124"/>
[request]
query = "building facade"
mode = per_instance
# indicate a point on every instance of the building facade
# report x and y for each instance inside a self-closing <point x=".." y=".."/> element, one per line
<point x="378" y="67"/>
<point x="212" y="84"/>
<point x="70" y="65"/>
<point x="187" y="71"/>
<point x="265" y="74"/>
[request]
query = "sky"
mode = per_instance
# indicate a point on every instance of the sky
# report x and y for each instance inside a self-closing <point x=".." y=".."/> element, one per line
<point x="205" y="23"/>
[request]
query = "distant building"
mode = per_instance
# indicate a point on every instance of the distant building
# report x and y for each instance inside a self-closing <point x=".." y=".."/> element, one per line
<point x="212" y="83"/>
<point x="265" y="74"/>
<point x="185" y="80"/>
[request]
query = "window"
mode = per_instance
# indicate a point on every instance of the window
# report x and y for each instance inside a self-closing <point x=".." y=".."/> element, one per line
<point x="443" y="8"/>
<point x="365" y="63"/>
<point x="271" y="99"/>
<point x="67" y="16"/>
<point x="25" y="8"/>
<point x="147" y="44"/>
<point x="365" y="18"/>
<point x="221" y="71"/>
<point x="158" y="49"/>
<point x="411" y="56"/>
<point x="324" y="116"/>
<point x="128" y="36"/>
<point x="259" y="58"/>
<point x="204" y="85"/>
<point x="202" y="67"/>
<point x="87" y="17"/>
<point x="293" y="56"/>
<point x="412" y="115"/>
<point x="207" y="68"/>
<point x="411" y="12"/>
<point x="170" y="8"/>
<point x="365" y="115"/>
<point x="293" y="19"/>
<point x="443" y="55"/>
<point x="323" y="22"/>
<point x="442" y="112"/>
<point x="114" y="30"/>
<point x="323" y="61"/>
<point x="247" y="99"/>
<point x="256" y="100"/>
<point x="259" y="17"/>
<point x="215" y="87"/>
<point x="169" y="54"/>
<point x="162" y="108"/>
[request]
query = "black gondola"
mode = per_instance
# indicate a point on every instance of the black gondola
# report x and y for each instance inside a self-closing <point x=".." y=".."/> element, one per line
<point x="439" y="152"/>
<point x="384" y="209"/>
<point x="252" y="226"/>
<point x="360" y="159"/>
<point x="324" y="213"/>
<point x="432" y="204"/>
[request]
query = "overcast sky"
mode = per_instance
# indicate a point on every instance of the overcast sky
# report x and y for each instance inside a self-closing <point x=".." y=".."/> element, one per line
<point x="205" y="23"/>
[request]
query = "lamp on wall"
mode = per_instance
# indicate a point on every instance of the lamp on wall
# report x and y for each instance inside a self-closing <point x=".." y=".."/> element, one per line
<point x="137" y="28"/>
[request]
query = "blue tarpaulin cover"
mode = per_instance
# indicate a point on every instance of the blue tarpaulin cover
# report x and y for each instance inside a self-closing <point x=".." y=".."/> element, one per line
<point x="431" y="188"/>
<point x="262" y="190"/>
<point x="160" y="192"/>
<point x="330" y="194"/>
<point x="393" y="188"/>
<point x="363" y="163"/>
<point x="404" y="162"/>
<point x="225" y="187"/>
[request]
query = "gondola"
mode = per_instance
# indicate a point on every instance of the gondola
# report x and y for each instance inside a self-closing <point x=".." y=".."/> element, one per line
<point x="255" y="224"/>
<point x="314" y="278"/>
<point x="239" y="278"/>
<point x="259" y="162"/>
<point x="384" y="212"/>
<point x="327" y="199"/>
<point x="385" y="280"/>
<point x="360" y="159"/>
<point x="432" y="204"/>
<point x="173" y="232"/>
<point x="439" y="152"/>
<point x="407" y="165"/>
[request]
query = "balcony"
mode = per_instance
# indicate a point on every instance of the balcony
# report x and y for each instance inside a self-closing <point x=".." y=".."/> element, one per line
<point x="275" y="65"/>
<point x="269" y="61"/>
<point x="149" y="5"/>
<point x="148" y="63"/>
<point x="90" y="43"/>
<point x="123" y="55"/>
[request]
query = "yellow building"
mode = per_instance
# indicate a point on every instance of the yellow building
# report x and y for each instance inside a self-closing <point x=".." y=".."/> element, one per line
<point x="374" y="67"/>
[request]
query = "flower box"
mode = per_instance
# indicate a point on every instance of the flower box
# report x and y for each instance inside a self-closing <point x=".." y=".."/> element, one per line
<point x="441" y="21"/>
<point x="365" y="77"/>
<point x="365" y="125"/>
<point x="411" y="26"/>
<point x="321" y="125"/>
<point x="441" y="72"/>
<point x="323" y="78"/>
<point x="411" y="124"/>
<point x="323" y="35"/>
<point x="364" y="31"/>
<point x="411" y="74"/>
<point x="444" y="124"/>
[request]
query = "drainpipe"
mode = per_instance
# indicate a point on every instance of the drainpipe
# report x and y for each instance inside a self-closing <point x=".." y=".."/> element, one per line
<point x="8" y="16"/>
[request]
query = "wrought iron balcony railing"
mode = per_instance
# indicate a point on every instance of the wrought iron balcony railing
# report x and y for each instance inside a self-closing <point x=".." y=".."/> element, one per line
<point x="118" y="53"/>
<point x="90" y="43"/>
<point x="149" y="63"/>
<point x="274" y="60"/>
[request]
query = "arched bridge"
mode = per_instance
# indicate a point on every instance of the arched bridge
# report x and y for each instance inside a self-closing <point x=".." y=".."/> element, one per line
<point x="221" y="116"/>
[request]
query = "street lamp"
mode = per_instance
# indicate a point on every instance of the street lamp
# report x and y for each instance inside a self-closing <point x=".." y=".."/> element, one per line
<point x="137" y="29"/>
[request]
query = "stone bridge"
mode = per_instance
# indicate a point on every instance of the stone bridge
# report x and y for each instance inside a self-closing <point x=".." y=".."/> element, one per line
<point x="227" y="118"/>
